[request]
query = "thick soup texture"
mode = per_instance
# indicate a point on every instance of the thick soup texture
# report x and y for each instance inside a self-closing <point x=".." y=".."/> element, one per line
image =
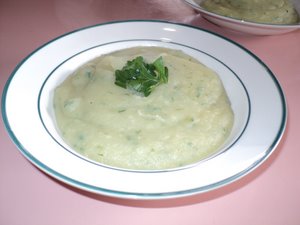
<point x="179" y="123"/>
<point x="261" y="11"/>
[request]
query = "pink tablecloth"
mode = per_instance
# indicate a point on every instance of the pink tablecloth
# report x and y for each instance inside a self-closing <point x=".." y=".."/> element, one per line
<point x="270" y="195"/>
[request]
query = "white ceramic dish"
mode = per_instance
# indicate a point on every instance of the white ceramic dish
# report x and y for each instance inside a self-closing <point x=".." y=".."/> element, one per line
<point x="244" y="26"/>
<point x="257" y="100"/>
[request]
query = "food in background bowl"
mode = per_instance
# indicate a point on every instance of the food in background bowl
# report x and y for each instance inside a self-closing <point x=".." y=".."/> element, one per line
<point x="260" y="11"/>
<point x="181" y="121"/>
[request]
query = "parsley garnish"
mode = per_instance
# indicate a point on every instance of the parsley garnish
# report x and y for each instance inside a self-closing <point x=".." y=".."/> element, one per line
<point x="142" y="77"/>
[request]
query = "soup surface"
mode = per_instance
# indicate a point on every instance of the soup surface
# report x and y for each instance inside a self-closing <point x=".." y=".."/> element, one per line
<point x="261" y="11"/>
<point x="181" y="122"/>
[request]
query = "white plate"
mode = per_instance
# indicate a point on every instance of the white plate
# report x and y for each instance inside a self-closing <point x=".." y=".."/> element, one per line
<point x="256" y="96"/>
<point x="245" y="26"/>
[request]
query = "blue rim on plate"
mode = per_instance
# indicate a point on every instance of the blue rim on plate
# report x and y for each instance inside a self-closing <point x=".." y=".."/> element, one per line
<point x="141" y="41"/>
<point x="145" y="195"/>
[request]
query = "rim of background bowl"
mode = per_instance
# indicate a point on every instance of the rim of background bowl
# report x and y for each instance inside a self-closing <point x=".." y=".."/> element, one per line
<point x="196" y="6"/>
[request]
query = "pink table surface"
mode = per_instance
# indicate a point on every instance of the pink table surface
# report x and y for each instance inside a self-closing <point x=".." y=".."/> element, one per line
<point x="269" y="195"/>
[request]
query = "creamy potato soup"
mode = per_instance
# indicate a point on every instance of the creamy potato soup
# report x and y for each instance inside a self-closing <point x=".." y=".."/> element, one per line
<point x="181" y="122"/>
<point x="261" y="11"/>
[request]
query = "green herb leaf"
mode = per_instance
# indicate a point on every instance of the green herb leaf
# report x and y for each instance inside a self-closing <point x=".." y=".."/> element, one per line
<point x="141" y="77"/>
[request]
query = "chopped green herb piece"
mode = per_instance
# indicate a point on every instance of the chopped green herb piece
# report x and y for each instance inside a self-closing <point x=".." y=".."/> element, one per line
<point x="142" y="77"/>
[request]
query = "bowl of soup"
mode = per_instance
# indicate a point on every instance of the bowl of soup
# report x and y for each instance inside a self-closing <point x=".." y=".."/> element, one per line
<point x="206" y="113"/>
<point x="264" y="17"/>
